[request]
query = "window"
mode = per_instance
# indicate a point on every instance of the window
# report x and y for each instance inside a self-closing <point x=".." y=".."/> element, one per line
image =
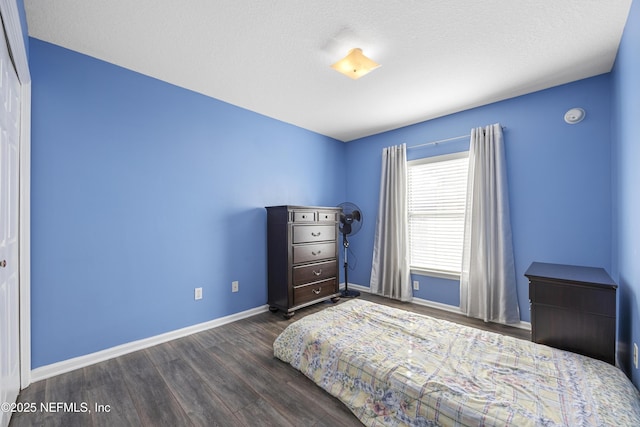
<point x="437" y="190"/>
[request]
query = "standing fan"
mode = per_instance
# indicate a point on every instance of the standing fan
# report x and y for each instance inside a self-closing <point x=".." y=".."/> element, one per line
<point x="350" y="224"/>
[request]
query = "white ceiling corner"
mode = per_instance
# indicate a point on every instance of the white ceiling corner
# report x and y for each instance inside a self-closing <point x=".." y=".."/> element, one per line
<point x="274" y="58"/>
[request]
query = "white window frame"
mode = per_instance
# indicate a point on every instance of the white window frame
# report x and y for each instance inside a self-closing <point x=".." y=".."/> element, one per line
<point x="423" y="270"/>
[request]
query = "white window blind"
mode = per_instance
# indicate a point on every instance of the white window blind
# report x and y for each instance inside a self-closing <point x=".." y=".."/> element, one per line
<point x="437" y="188"/>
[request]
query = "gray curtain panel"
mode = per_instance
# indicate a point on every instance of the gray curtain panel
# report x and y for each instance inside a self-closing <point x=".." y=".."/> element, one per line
<point x="488" y="279"/>
<point x="390" y="272"/>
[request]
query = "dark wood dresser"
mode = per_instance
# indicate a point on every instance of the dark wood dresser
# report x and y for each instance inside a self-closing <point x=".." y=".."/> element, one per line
<point x="302" y="256"/>
<point x="573" y="308"/>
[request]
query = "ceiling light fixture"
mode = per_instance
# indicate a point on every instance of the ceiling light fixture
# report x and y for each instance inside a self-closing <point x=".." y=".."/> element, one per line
<point x="355" y="64"/>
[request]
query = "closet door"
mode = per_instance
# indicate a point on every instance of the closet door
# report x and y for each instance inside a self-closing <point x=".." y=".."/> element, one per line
<point x="9" y="199"/>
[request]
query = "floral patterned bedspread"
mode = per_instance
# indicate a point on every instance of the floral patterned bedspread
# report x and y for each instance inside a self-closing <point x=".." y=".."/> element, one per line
<point x="395" y="368"/>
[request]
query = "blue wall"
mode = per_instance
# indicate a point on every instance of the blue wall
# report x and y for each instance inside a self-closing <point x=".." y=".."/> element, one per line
<point x="142" y="191"/>
<point x="559" y="179"/>
<point x="626" y="185"/>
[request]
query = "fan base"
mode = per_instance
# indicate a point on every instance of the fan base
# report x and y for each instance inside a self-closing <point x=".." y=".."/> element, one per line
<point x="349" y="293"/>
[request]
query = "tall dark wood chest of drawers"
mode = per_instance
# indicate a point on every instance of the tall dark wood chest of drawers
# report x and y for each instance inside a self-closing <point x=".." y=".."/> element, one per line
<point x="573" y="308"/>
<point x="302" y="256"/>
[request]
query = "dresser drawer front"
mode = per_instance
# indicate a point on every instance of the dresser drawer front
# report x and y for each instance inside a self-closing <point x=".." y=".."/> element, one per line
<point x="314" y="272"/>
<point x="304" y="216"/>
<point x="314" y="252"/>
<point x="584" y="333"/>
<point x="324" y="216"/>
<point x="601" y="301"/>
<point x="313" y="233"/>
<point x="313" y="291"/>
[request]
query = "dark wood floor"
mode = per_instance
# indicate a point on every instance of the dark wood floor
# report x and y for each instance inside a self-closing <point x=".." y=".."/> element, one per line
<point x="225" y="376"/>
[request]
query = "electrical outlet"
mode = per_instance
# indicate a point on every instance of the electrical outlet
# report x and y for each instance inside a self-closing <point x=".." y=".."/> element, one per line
<point x="416" y="285"/>
<point x="635" y="355"/>
<point x="198" y="293"/>
<point x="235" y="286"/>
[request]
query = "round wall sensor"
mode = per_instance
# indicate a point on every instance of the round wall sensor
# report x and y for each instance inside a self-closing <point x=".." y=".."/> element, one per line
<point x="574" y="115"/>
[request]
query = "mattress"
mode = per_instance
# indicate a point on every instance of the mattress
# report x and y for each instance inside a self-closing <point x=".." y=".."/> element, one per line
<point x="391" y="367"/>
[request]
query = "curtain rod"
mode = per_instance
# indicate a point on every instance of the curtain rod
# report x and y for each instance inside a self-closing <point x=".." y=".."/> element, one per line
<point x="455" y="138"/>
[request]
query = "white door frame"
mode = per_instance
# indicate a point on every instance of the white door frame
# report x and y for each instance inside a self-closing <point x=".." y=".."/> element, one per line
<point x="15" y="39"/>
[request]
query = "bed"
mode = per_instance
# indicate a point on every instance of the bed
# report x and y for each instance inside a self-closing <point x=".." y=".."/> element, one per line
<point x="395" y="368"/>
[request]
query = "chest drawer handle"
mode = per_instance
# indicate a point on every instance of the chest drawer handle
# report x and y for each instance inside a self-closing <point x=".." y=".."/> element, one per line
<point x="316" y="234"/>
<point x="316" y="253"/>
<point x="316" y="291"/>
<point x="317" y="273"/>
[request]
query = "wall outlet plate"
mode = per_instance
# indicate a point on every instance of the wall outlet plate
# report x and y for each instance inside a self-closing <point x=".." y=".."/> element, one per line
<point x="197" y="293"/>
<point x="235" y="286"/>
<point x="416" y="285"/>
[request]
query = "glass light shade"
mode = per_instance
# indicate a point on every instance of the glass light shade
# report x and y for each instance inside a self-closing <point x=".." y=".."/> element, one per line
<point x="355" y="64"/>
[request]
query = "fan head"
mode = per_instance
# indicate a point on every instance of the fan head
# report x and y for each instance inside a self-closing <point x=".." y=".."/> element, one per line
<point x="350" y="218"/>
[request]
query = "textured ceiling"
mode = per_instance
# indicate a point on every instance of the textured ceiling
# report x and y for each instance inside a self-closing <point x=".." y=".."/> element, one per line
<point x="274" y="57"/>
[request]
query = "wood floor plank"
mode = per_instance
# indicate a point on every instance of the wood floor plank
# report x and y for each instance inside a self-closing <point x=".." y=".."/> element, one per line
<point x="264" y="358"/>
<point x="229" y="386"/>
<point x="212" y="337"/>
<point x="162" y="353"/>
<point x="30" y="415"/>
<point x="66" y="399"/>
<point x="201" y="404"/>
<point x="293" y="407"/>
<point x="154" y="401"/>
<point x="262" y="414"/>
<point x="108" y="395"/>
<point x="336" y="413"/>
<point x="120" y="411"/>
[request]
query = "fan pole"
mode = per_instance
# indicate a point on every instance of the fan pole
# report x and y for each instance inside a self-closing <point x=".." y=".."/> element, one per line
<point x="347" y="293"/>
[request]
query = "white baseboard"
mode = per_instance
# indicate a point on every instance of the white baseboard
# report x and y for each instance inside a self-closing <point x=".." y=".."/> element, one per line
<point x="522" y="325"/>
<point x="433" y="304"/>
<point x="68" y="365"/>
<point x="356" y="287"/>
<point x="438" y="305"/>
<point x="454" y="309"/>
